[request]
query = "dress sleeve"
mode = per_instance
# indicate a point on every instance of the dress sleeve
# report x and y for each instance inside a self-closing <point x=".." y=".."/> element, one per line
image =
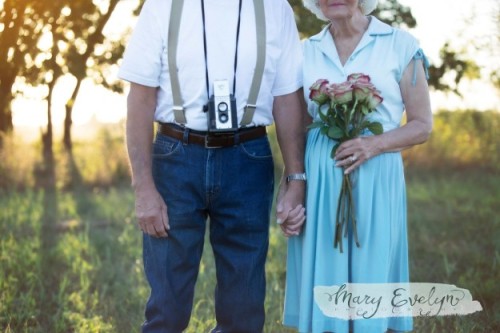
<point x="420" y="55"/>
<point x="410" y="53"/>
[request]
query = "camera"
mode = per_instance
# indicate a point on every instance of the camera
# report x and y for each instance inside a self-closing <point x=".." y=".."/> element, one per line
<point x="222" y="115"/>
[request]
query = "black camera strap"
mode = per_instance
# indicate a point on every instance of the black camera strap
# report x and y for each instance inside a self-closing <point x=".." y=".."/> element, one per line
<point x="205" y="108"/>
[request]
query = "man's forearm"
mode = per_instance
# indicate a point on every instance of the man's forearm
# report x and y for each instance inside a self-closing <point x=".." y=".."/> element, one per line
<point x="140" y="116"/>
<point x="291" y="130"/>
<point x="291" y="123"/>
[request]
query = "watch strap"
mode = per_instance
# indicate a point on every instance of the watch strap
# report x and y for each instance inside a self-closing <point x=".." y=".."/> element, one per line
<point x="296" y="176"/>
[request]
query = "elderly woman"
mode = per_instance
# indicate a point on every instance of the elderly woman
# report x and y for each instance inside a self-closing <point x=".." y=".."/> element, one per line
<point x="354" y="42"/>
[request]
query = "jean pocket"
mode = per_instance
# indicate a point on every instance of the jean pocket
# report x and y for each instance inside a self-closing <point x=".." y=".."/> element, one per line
<point x="257" y="149"/>
<point x="165" y="146"/>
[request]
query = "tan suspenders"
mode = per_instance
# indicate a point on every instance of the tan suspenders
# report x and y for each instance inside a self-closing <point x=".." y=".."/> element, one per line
<point x="173" y="39"/>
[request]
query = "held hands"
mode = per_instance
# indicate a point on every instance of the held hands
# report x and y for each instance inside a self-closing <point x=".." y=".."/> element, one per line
<point x="290" y="211"/>
<point x="151" y="212"/>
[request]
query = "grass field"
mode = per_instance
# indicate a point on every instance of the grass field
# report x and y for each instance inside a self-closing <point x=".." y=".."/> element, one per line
<point x="70" y="257"/>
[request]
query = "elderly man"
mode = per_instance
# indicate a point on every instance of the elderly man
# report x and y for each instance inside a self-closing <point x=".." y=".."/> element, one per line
<point x="212" y="74"/>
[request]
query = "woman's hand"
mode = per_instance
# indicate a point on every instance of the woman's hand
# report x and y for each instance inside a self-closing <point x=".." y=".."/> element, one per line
<point x="352" y="153"/>
<point x="290" y="211"/>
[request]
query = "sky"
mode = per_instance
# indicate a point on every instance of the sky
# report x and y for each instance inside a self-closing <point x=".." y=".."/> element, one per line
<point x="438" y="22"/>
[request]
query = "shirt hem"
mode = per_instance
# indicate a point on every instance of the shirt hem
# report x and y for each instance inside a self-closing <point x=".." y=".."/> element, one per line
<point x="130" y="77"/>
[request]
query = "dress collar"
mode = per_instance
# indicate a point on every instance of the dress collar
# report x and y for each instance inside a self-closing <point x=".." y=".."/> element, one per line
<point x="375" y="28"/>
<point x="326" y="44"/>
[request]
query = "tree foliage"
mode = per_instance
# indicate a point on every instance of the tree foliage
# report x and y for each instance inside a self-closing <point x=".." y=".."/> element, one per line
<point x="453" y="63"/>
<point x="453" y="68"/>
<point x="40" y="41"/>
<point x="20" y="32"/>
<point x="389" y="11"/>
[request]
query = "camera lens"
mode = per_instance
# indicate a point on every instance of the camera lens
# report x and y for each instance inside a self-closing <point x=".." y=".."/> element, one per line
<point x="223" y="117"/>
<point x="222" y="107"/>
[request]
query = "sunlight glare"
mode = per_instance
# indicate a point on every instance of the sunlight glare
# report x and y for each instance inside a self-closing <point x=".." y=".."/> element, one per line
<point x="45" y="41"/>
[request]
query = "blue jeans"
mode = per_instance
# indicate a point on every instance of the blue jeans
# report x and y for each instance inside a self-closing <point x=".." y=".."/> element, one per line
<point x="233" y="187"/>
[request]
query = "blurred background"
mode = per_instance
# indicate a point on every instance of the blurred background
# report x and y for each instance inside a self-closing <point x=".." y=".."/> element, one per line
<point x="70" y="252"/>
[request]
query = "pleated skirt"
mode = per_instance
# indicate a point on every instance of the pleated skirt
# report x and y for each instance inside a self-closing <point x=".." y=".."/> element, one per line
<point x="380" y="207"/>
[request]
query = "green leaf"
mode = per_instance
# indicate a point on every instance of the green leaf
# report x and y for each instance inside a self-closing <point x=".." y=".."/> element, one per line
<point x="364" y="125"/>
<point x="364" y="109"/>
<point x="316" y="124"/>
<point x="324" y="130"/>
<point x="335" y="133"/>
<point x="334" y="150"/>
<point x="322" y="116"/>
<point x="376" y="128"/>
<point x="340" y="122"/>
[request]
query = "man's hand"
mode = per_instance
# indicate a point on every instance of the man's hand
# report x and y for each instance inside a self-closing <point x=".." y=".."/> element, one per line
<point x="151" y="212"/>
<point x="290" y="211"/>
<point x="150" y="209"/>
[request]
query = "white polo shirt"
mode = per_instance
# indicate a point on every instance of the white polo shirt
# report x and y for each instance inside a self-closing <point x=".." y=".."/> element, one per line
<point x="145" y="60"/>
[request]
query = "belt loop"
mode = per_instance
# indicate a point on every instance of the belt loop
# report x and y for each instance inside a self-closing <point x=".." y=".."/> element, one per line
<point x="185" y="136"/>
<point x="237" y="138"/>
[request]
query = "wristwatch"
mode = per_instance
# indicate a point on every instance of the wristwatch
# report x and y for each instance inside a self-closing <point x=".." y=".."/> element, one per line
<point x="296" y="176"/>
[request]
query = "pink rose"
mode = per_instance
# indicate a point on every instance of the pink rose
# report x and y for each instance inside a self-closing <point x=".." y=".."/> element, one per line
<point x="374" y="100"/>
<point x="319" y="92"/>
<point x="358" y="77"/>
<point x="362" y="90"/>
<point x="341" y="93"/>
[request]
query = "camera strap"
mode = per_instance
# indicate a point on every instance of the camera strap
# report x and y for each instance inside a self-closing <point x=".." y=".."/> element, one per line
<point x="205" y="47"/>
<point x="173" y="37"/>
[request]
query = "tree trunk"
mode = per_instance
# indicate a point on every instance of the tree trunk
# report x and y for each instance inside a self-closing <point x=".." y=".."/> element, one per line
<point x="68" y="121"/>
<point x="5" y="114"/>
<point x="48" y="172"/>
<point x="9" y="64"/>
<point x="7" y="79"/>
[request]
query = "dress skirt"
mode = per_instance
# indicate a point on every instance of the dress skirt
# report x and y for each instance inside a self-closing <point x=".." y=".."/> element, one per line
<point x="380" y="207"/>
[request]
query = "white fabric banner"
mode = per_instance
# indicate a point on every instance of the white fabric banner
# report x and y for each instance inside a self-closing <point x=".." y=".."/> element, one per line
<point x="365" y="301"/>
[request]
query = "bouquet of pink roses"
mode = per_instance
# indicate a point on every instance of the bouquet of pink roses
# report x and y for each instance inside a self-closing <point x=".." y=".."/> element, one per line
<point x="343" y="109"/>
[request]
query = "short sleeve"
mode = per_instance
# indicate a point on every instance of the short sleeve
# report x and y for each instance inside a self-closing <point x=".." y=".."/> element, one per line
<point x="142" y="58"/>
<point x="406" y="47"/>
<point x="419" y="56"/>
<point x="289" y="66"/>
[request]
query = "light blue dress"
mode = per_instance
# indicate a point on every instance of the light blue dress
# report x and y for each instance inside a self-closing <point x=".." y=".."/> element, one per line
<point x="379" y="190"/>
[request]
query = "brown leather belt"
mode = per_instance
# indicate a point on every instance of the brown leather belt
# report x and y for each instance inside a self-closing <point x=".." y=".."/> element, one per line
<point x="211" y="140"/>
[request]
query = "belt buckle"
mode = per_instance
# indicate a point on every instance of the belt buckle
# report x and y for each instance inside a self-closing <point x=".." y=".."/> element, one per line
<point x="208" y="145"/>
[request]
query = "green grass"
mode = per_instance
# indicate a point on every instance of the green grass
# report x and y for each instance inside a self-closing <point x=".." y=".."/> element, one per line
<point x="70" y="258"/>
<point x="71" y="261"/>
<point x="454" y="238"/>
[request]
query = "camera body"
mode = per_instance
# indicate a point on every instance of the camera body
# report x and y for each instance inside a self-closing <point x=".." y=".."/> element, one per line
<point x="222" y="113"/>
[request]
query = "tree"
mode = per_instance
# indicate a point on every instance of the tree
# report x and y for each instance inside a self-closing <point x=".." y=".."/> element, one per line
<point x="389" y="11"/>
<point x="19" y="34"/>
<point x="77" y="47"/>
<point x="43" y="67"/>
<point x="88" y="51"/>
<point x="453" y="68"/>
